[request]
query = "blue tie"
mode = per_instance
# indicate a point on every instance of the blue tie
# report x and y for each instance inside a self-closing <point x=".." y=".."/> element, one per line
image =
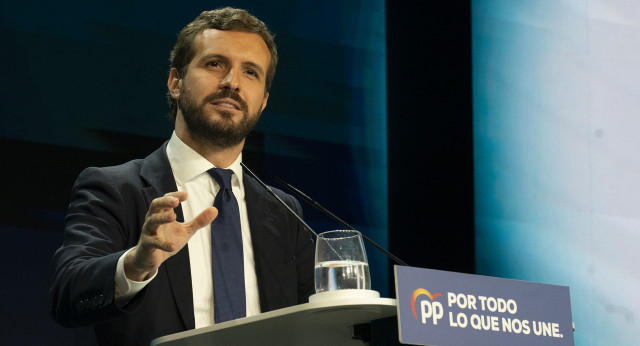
<point x="229" y="300"/>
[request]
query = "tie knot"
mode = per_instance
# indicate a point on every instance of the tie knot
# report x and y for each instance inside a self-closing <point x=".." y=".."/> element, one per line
<point x="222" y="176"/>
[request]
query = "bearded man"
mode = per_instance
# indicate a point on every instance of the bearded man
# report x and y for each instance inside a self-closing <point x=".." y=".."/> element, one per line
<point x="130" y="266"/>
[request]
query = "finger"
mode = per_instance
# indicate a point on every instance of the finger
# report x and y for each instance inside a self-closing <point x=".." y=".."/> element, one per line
<point x="181" y="195"/>
<point x="169" y="201"/>
<point x="153" y="221"/>
<point x="203" y="219"/>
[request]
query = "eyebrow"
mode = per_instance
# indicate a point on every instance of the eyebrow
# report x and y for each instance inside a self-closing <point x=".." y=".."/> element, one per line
<point x="255" y="67"/>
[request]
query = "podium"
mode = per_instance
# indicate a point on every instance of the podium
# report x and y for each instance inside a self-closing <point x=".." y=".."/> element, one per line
<point x="328" y="322"/>
<point x="432" y="308"/>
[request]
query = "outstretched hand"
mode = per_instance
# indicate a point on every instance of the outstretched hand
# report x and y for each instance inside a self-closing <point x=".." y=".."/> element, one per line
<point x="162" y="236"/>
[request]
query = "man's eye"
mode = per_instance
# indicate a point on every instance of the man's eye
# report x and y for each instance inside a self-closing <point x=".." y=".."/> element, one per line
<point x="252" y="73"/>
<point x="213" y="63"/>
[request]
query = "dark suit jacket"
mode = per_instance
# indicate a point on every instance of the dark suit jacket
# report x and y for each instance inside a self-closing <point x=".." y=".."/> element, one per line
<point x="106" y="214"/>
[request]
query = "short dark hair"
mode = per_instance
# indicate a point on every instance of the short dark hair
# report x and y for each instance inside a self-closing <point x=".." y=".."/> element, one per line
<point x="228" y="19"/>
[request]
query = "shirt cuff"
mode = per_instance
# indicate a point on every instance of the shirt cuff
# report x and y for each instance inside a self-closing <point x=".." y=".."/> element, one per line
<point x="126" y="289"/>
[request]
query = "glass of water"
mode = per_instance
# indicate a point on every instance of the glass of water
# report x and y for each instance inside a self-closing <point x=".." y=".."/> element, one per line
<point x="341" y="262"/>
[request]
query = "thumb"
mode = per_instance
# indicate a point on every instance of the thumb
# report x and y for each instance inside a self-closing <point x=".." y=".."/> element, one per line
<point x="203" y="219"/>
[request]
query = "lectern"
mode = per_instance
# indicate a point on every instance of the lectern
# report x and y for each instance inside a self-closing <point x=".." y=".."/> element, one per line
<point x="432" y="308"/>
<point x="329" y="322"/>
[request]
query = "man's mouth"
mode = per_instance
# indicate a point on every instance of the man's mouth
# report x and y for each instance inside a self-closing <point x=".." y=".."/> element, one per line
<point x="227" y="103"/>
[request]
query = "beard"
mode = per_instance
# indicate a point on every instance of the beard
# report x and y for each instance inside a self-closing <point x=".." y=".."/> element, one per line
<point x="223" y="132"/>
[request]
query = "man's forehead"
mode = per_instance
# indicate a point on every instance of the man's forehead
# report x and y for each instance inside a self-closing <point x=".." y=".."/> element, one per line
<point x="212" y="38"/>
<point x="240" y="45"/>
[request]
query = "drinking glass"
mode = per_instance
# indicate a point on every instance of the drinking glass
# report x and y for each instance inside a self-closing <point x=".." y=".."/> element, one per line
<point x="341" y="262"/>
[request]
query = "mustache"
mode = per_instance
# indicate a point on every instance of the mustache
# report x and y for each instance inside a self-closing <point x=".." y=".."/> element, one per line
<point x="227" y="93"/>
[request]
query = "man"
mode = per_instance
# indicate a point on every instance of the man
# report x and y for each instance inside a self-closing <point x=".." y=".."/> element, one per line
<point x="130" y="265"/>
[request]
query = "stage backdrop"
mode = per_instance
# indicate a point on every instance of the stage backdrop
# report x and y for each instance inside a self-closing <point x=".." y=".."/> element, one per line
<point x="85" y="85"/>
<point x="557" y="154"/>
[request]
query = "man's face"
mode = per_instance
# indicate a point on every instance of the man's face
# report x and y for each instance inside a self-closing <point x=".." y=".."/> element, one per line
<point x="223" y="93"/>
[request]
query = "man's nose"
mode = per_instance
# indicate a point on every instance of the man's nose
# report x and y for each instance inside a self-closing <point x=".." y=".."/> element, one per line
<point x="231" y="80"/>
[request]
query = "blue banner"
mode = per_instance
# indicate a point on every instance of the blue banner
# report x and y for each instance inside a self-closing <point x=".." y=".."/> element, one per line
<point x="445" y="308"/>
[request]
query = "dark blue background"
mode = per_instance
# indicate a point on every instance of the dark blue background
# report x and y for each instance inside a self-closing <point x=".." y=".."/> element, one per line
<point x="84" y="85"/>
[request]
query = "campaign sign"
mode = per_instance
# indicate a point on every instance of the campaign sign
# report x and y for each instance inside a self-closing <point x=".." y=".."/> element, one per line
<point x="445" y="308"/>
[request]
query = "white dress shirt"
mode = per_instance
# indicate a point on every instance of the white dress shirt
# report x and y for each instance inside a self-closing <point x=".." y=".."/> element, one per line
<point x="190" y="172"/>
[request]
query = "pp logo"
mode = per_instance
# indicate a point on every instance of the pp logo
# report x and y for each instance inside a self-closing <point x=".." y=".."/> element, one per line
<point x="429" y="309"/>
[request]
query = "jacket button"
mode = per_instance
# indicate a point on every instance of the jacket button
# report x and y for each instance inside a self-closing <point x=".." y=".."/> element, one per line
<point x="83" y="305"/>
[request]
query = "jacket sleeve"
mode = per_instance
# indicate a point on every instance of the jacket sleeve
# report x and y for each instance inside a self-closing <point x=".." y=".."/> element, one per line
<point x="100" y="226"/>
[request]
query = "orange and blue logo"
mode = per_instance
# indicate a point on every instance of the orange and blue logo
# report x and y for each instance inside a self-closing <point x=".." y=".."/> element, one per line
<point x="415" y="296"/>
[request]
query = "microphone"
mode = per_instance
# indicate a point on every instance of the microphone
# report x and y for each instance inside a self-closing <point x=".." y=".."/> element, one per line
<point x="266" y="187"/>
<point x="331" y="215"/>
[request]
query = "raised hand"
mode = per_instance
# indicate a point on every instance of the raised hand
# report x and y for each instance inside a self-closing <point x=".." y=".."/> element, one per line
<point x="162" y="236"/>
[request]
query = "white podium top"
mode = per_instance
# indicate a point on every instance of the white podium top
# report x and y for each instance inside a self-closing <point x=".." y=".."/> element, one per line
<point x="325" y="322"/>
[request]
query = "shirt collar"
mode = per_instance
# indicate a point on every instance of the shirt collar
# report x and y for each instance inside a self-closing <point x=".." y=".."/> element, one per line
<point x="187" y="164"/>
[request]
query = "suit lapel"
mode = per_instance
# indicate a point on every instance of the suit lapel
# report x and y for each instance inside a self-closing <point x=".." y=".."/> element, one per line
<point x="156" y="172"/>
<point x="268" y="248"/>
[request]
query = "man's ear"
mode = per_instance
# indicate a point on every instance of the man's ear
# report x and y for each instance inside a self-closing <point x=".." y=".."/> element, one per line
<point x="264" y="102"/>
<point x="173" y="83"/>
